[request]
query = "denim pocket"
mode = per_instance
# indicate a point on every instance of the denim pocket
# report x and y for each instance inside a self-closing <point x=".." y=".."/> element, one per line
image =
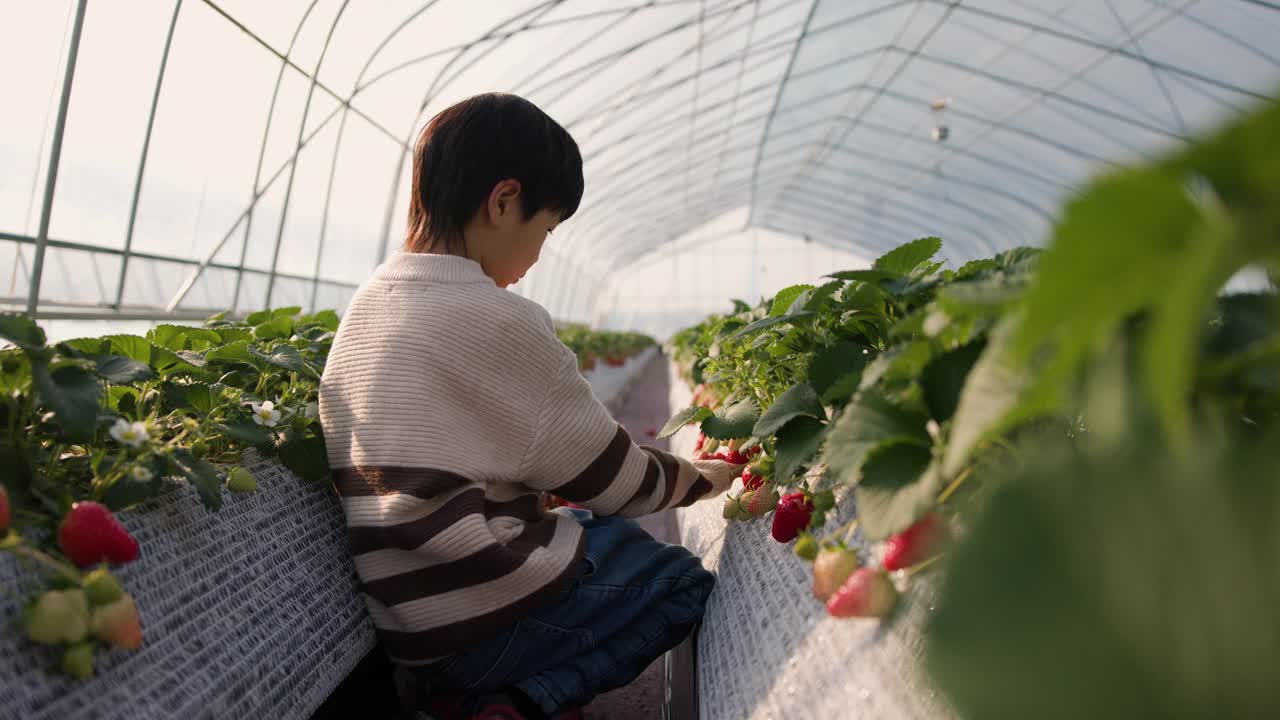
<point x="533" y="646"/>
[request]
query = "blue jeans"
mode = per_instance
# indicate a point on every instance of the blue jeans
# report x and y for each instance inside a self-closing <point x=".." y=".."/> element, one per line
<point x="632" y="599"/>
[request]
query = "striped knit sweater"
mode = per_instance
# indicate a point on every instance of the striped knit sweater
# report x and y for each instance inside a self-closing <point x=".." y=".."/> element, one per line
<point x="449" y="407"/>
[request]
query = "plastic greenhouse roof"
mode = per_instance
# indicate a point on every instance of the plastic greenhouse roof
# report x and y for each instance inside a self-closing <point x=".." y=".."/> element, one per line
<point x="241" y="153"/>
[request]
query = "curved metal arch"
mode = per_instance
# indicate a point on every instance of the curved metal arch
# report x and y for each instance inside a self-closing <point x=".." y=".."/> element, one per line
<point x="257" y="173"/>
<point x="142" y="160"/>
<point x="834" y="207"/>
<point x="293" y="167"/>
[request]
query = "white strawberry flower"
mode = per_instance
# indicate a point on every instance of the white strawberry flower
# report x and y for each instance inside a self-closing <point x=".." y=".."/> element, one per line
<point x="140" y="473"/>
<point x="128" y="433"/>
<point x="266" y="413"/>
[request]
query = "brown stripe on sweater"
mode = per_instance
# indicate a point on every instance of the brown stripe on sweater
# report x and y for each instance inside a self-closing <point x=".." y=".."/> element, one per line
<point x="600" y="473"/>
<point x="648" y="483"/>
<point x="415" y="533"/>
<point x="422" y="482"/>
<point x="670" y="473"/>
<point x="411" y="647"/>
<point x="700" y="487"/>
<point x="491" y="563"/>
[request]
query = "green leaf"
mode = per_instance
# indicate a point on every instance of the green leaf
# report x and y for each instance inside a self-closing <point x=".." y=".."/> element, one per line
<point x="740" y="307"/>
<point x="235" y="334"/>
<point x="899" y="363"/>
<point x="944" y="377"/>
<point x="819" y="296"/>
<point x="189" y="396"/>
<point x="897" y="487"/>
<point x="286" y="312"/>
<point x="974" y="267"/>
<point x="798" y="400"/>
<point x="236" y="352"/>
<point x="115" y="369"/>
<point x="273" y="329"/>
<point x="304" y="454"/>
<point x="871" y="421"/>
<point x="785" y="297"/>
<point x="73" y="394"/>
<point x="202" y="475"/>
<point x="993" y="400"/>
<point x="182" y="337"/>
<point x="797" y="443"/>
<point x="768" y="322"/>
<point x="245" y="431"/>
<point x="258" y="317"/>
<point x="904" y="258"/>
<point x="1125" y="245"/>
<point x="281" y="356"/>
<point x="326" y="319"/>
<point x="991" y="294"/>
<point x="163" y="360"/>
<point x="863" y="296"/>
<point x="1139" y="585"/>
<point x="122" y="399"/>
<point x="734" y="421"/>
<point x="21" y="331"/>
<point x="682" y="418"/>
<point x="842" y="390"/>
<point x="833" y="364"/>
<point x="866" y="276"/>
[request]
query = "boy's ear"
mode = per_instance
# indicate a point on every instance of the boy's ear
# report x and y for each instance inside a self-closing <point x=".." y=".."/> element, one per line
<point x="503" y="200"/>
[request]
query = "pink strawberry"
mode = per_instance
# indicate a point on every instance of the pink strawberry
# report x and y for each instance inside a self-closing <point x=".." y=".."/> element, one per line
<point x="830" y="569"/>
<point x="758" y="502"/>
<point x="866" y="593"/>
<point x="4" y="510"/>
<point x="90" y="534"/>
<point x="794" y="512"/>
<point x="117" y="623"/>
<point x="917" y="543"/>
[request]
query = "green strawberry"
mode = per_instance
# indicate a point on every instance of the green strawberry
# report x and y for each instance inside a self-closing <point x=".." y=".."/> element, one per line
<point x="241" y="481"/>
<point x="118" y="624"/>
<point x="831" y="567"/>
<point x="733" y="509"/>
<point x="77" y="661"/>
<point x="58" y="616"/>
<point x="102" y="587"/>
<point x="806" y="547"/>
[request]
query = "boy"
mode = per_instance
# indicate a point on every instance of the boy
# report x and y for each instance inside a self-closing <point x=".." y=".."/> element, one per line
<point x="449" y="407"/>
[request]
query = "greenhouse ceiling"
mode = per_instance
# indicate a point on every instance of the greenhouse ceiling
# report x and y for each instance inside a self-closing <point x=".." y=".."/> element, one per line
<point x="180" y="158"/>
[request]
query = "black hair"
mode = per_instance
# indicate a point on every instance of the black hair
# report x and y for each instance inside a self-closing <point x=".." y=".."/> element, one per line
<point x="470" y="147"/>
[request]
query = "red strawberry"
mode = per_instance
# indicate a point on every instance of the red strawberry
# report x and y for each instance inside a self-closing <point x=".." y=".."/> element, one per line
<point x="702" y="440"/>
<point x="4" y="510"/>
<point x="707" y="456"/>
<point x="118" y="624"/>
<point x="867" y="593"/>
<point x="793" y="515"/>
<point x="917" y="543"/>
<point x="750" y="481"/>
<point x="758" y="502"/>
<point x="652" y="432"/>
<point x="830" y="569"/>
<point x="733" y="457"/>
<point x="90" y="534"/>
<point x="753" y="451"/>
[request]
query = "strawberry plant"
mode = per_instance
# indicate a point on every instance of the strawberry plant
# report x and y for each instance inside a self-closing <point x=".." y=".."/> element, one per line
<point x="592" y="346"/>
<point x="93" y="426"/>
<point x="1104" y="386"/>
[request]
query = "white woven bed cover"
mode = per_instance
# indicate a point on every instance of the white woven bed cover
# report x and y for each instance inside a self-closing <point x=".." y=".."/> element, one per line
<point x="768" y="650"/>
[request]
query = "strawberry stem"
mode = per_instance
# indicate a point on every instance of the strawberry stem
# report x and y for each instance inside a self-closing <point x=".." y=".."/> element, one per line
<point x="31" y="553"/>
<point x="955" y="484"/>
<point x="922" y="566"/>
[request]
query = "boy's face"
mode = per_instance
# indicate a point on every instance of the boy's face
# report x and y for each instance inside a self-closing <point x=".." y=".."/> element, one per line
<point x="518" y="245"/>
